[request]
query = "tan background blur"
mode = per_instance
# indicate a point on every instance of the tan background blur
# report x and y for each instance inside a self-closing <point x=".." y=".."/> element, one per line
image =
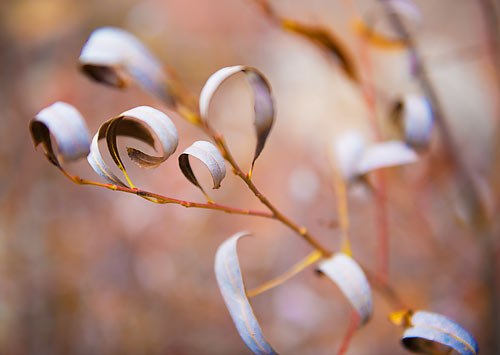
<point x="90" y="271"/>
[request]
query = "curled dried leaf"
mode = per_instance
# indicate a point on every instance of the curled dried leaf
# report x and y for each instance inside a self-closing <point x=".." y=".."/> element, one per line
<point x="210" y="156"/>
<point x="415" y="115"/>
<point x="327" y="41"/>
<point x="432" y="333"/>
<point x="408" y="11"/>
<point x="263" y="100"/>
<point x="68" y="128"/>
<point x="230" y="281"/>
<point x="384" y="155"/>
<point x="351" y="280"/>
<point x="116" y="57"/>
<point x="143" y="123"/>
<point x="355" y="159"/>
<point x="348" y="149"/>
<point x="377" y="39"/>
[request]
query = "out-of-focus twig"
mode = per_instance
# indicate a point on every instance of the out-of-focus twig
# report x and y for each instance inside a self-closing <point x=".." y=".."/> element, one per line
<point x="353" y="325"/>
<point x="491" y="246"/>
<point x="480" y="218"/>
<point x="465" y="176"/>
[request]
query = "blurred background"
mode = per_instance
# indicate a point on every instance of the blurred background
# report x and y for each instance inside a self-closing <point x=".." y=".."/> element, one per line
<point x="90" y="271"/>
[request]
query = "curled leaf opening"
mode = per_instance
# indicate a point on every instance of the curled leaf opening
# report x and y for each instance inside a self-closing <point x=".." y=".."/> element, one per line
<point x="351" y="280"/>
<point x="68" y="128"/>
<point x="432" y="333"/>
<point x="116" y="57"/>
<point x="143" y="123"/>
<point x="263" y="100"/>
<point x="209" y="155"/>
<point x="230" y="281"/>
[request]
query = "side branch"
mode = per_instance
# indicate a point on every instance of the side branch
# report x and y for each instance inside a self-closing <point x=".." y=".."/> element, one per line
<point x="157" y="198"/>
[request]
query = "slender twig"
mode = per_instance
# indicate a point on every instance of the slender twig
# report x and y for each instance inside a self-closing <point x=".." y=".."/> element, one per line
<point x="301" y="265"/>
<point x="343" y="210"/>
<point x="491" y="267"/>
<point x="381" y="212"/>
<point x="353" y="326"/>
<point x="453" y="152"/>
<point x="154" y="197"/>
<point x="465" y="177"/>
<point x="387" y="291"/>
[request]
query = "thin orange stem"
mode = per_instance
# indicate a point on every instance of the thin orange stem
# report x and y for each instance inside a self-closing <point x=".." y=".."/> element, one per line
<point x="382" y="228"/>
<point x="154" y="197"/>
<point x="343" y="210"/>
<point x="353" y="325"/>
<point x="301" y="265"/>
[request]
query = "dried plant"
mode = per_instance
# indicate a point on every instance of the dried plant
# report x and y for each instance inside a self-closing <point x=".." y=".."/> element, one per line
<point x="115" y="57"/>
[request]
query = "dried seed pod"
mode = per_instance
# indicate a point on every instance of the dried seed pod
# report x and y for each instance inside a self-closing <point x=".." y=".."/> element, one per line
<point x="355" y="159"/>
<point x="210" y="156"/>
<point x="415" y="116"/>
<point x="432" y="333"/>
<point x="116" y="57"/>
<point x="350" y="278"/>
<point x="68" y="128"/>
<point x="263" y="100"/>
<point x="144" y="123"/>
<point x="232" y="288"/>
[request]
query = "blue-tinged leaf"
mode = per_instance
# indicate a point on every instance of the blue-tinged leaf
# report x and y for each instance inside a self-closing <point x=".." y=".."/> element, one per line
<point x="230" y="280"/>
<point x="209" y="155"/>
<point x="433" y="333"/>
<point x="116" y="57"/>
<point x="144" y="123"/>
<point x="385" y="155"/>
<point x="348" y="148"/>
<point x="351" y="280"/>
<point x="263" y="100"/>
<point x="354" y="158"/>
<point x="417" y="120"/>
<point x="407" y="9"/>
<point x="68" y="128"/>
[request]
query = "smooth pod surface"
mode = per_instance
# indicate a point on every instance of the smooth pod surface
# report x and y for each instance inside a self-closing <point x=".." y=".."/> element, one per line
<point x="230" y="281"/>
<point x="68" y="128"/>
<point x="351" y="280"/>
